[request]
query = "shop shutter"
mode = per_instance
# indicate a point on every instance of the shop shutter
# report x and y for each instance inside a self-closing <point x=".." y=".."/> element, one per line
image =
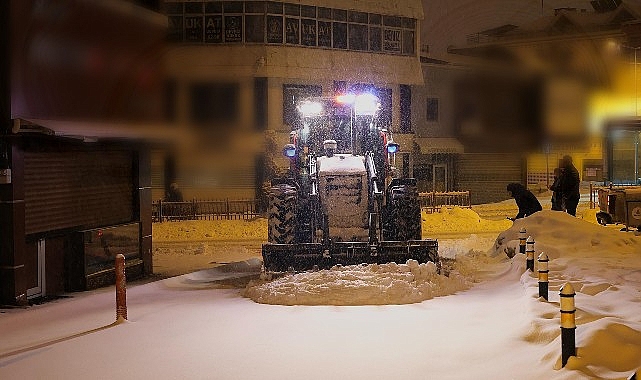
<point x="487" y="175"/>
<point x="84" y="189"/>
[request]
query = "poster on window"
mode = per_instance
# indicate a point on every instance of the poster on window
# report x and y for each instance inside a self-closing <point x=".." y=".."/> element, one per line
<point x="214" y="29"/>
<point x="292" y="29"/>
<point x="194" y="29"/>
<point x="324" y="34"/>
<point x="274" y="29"/>
<point x="392" y="40"/>
<point x="233" y="28"/>
<point x="175" y="28"/>
<point x="308" y="32"/>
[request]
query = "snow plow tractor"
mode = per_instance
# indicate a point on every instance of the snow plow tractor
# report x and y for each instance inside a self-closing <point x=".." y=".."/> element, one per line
<point x="339" y="203"/>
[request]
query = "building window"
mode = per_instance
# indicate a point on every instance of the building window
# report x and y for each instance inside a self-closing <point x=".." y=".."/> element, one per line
<point x="287" y="23"/>
<point x="385" y="113"/>
<point x="405" y="93"/>
<point x="292" y="94"/>
<point x="275" y="29"/>
<point x="432" y="109"/>
<point x="292" y="29"/>
<point x="308" y="32"/>
<point x="254" y="28"/>
<point x="358" y="37"/>
<point x="340" y="35"/>
<point x="213" y="103"/>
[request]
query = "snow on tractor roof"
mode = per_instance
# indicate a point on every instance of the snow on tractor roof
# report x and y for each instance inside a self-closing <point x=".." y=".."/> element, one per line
<point x="341" y="163"/>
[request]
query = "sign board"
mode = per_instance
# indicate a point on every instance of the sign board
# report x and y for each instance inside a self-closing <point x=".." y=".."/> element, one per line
<point x="392" y="40"/>
<point x="214" y="29"/>
<point x="308" y="32"/>
<point x="233" y="28"/>
<point x="194" y="29"/>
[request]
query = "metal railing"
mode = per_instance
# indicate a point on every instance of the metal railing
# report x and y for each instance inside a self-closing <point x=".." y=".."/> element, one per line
<point x="433" y="201"/>
<point x="205" y="210"/>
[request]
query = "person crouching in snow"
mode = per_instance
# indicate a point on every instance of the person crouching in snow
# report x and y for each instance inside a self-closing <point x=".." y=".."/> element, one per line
<point x="527" y="202"/>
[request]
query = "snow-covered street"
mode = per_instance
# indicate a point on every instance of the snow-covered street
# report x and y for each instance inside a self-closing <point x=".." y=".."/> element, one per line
<point x="190" y="327"/>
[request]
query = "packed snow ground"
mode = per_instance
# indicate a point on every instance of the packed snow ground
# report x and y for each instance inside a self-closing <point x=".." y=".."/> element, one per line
<point x="193" y="326"/>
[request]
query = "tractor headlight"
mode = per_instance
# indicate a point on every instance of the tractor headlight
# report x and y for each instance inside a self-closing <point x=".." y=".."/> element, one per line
<point x="289" y="150"/>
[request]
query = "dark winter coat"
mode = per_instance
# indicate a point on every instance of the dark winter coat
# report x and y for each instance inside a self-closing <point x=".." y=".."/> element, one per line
<point x="174" y="195"/>
<point x="557" y="195"/>
<point x="525" y="200"/>
<point x="570" y="182"/>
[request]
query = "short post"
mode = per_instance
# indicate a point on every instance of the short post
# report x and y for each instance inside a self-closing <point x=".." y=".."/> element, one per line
<point x="522" y="240"/>
<point x="568" y="323"/>
<point x="530" y="254"/>
<point x="543" y="275"/>
<point x="121" y="288"/>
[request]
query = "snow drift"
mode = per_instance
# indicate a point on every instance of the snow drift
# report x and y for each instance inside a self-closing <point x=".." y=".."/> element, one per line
<point x="372" y="284"/>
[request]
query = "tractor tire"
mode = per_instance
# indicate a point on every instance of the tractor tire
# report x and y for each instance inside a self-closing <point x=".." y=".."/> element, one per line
<point x="405" y="213"/>
<point x="282" y="214"/>
<point x="389" y="223"/>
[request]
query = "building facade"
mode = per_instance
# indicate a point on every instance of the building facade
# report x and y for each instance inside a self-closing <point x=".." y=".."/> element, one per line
<point x="584" y="62"/>
<point x="74" y="162"/>
<point x="237" y="69"/>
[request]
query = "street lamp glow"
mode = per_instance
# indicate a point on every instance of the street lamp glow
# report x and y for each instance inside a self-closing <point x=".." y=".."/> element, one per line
<point x="366" y="104"/>
<point x="310" y="108"/>
<point x="346" y="99"/>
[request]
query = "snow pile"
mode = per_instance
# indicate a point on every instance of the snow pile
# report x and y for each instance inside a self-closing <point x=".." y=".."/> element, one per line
<point x="603" y="266"/>
<point x="459" y="248"/>
<point x="373" y="284"/>
<point x="460" y="220"/>
<point x="559" y="234"/>
<point x="197" y="230"/>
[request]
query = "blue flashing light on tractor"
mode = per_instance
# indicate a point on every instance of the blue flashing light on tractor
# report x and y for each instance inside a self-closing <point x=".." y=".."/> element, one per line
<point x="289" y="150"/>
<point x="392" y="147"/>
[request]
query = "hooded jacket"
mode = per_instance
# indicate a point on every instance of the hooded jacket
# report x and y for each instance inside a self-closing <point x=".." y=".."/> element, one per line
<point x="525" y="200"/>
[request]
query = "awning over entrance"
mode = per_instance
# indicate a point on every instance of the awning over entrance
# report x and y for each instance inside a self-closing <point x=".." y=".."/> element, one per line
<point x="432" y="145"/>
<point x="99" y="130"/>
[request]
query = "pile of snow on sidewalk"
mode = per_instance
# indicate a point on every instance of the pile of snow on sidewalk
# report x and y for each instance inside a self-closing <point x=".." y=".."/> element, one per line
<point x="372" y="284"/>
<point x="604" y="267"/>
<point x="457" y="219"/>
<point x="204" y="230"/>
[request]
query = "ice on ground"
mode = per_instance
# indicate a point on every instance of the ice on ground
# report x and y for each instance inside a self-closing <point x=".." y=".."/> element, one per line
<point x="372" y="284"/>
<point x="236" y="274"/>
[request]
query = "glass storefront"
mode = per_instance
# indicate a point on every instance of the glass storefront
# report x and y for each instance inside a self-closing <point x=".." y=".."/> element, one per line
<point x="624" y="157"/>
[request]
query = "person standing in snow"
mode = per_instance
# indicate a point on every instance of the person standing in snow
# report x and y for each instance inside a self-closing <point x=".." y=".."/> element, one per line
<point x="557" y="196"/>
<point x="570" y="185"/>
<point x="174" y="194"/>
<point x="525" y="200"/>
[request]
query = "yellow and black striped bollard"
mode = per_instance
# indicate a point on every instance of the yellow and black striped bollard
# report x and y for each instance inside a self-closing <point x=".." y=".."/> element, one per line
<point x="543" y="275"/>
<point x="522" y="233"/>
<point x="530" y="253"/>
<point x="568" y="323"/>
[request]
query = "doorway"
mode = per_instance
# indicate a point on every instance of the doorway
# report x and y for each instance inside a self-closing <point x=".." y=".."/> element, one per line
<point x="439" y="178"/>
<point x="35" y="268"/>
